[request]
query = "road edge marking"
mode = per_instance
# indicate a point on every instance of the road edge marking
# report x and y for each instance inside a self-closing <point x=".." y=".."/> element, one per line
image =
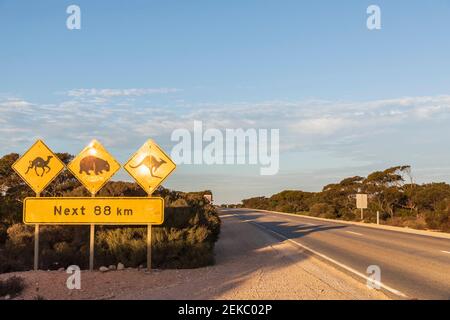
<point x="325" y="257"/>
<point x="425" y="233"/>
<point x="355" y="233"/>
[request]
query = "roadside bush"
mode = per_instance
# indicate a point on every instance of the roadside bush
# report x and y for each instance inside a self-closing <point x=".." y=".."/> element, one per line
<point x="185" y="240"/>
<point x="11" y="286"/>
<point x="349" y="215"/>
<point x="409" y="222"/>
<point x="125" y="245"/>
<point x="438" y="220"/>
<point x="3" y="233"/>
<point x="322" y="210"/>
<point x="288" y="208"/>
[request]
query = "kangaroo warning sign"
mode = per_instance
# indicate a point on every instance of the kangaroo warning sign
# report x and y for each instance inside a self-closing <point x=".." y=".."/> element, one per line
<point x="38" y="166"/>
<point x="149" y="166"/>
<point x="93" y="166"/>
<point x="82" y="210"/>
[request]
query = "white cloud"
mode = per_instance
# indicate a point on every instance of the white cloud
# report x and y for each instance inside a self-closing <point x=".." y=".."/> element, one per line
<point x="302" y="124"/>
<point x="322" y="125"/>
<point x="14" y="103"/>
<point x="110" y="93"/>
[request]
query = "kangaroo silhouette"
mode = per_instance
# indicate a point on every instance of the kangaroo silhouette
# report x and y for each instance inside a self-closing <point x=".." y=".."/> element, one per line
<point x="152" y="164"/>
<point x="40" y="163"/>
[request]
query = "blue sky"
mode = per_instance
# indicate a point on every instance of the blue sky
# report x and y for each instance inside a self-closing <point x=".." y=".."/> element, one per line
<point x="347" y="100"/>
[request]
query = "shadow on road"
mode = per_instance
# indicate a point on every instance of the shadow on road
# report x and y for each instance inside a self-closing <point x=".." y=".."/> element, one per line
<point x="252" y="264"/>
<point x="296" y="230"/>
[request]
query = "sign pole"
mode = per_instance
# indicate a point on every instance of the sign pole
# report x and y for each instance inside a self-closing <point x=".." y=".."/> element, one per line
<point x="362" y="214"/>
<point x="149" y="247"/>
<point x="36" y="243"/>
<point x="91" y="243"/>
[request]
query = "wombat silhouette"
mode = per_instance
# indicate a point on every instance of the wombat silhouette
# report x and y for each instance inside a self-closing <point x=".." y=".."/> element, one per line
<point x="91" y="163"/>
<point x="40" y="163"/>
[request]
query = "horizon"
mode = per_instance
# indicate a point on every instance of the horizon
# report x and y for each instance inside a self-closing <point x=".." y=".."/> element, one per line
<point x="347" y="100"/>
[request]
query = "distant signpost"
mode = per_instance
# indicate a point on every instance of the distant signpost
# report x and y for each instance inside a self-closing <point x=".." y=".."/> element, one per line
<point x="208" y="197"/>
<point x="361" y="203"/>
<point x="93" y="167"/>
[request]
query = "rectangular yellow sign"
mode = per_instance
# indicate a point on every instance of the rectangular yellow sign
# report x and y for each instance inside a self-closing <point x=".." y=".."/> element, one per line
<point x="80" y="210"/>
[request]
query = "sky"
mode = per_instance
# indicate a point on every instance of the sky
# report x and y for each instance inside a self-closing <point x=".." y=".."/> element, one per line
<point x="347" y="100"/>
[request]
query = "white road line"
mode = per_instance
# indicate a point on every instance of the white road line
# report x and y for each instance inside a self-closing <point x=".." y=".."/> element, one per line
<point x="356" y="233"/>
<point x="445" y="251"/>
<point x="357" y="273"/>
<point x="226" y="216"/>
<point x="309" y="224"/>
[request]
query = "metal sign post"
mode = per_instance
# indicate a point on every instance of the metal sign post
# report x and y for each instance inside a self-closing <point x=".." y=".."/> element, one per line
<point x="91" y="247"/>
<point x="149" y="247"/>
<point x="36" y="247"/>
<point x="36" y="243"/>
<point x="91" y="243"/>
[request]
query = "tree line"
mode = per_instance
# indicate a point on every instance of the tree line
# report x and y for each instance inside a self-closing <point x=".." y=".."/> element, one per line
<point x="392" y="192"/>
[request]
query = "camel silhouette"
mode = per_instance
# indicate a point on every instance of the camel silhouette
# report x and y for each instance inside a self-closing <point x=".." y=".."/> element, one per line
<point x="40" y="163"/>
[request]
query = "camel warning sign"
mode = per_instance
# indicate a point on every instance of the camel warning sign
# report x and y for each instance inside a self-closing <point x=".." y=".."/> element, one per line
<point x="38" y="166"/>
<point x="93" y="166"/>
<point x="149" y="166"/>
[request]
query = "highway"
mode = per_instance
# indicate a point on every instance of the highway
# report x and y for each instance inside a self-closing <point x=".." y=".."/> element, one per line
<point x="412" y="266"/>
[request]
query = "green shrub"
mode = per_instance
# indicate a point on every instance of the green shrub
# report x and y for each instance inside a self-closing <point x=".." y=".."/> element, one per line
<point x="322" y="210"/>
<point x="11" y="286"/>
<point x="439" y="220"/>
<point x="185" y="240"/>
<point x="3" y="233"/>
<point x="125" y="245"/>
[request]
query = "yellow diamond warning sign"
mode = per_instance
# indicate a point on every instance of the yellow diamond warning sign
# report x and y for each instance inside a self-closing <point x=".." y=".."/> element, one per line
<point x="93" y="167"/>
<point x="38" y="166"/>
<point x="149" y="166"/>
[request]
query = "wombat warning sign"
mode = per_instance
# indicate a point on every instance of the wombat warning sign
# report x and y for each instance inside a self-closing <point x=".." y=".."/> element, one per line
<point x="94" y="166"/>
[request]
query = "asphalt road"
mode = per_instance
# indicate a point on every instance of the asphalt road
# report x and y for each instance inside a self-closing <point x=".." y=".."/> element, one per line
<point x="412" y="266"/>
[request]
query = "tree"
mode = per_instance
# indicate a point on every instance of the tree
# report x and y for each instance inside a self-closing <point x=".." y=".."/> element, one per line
<point x="432" y="196"/>
<point x="386" y="188"/>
